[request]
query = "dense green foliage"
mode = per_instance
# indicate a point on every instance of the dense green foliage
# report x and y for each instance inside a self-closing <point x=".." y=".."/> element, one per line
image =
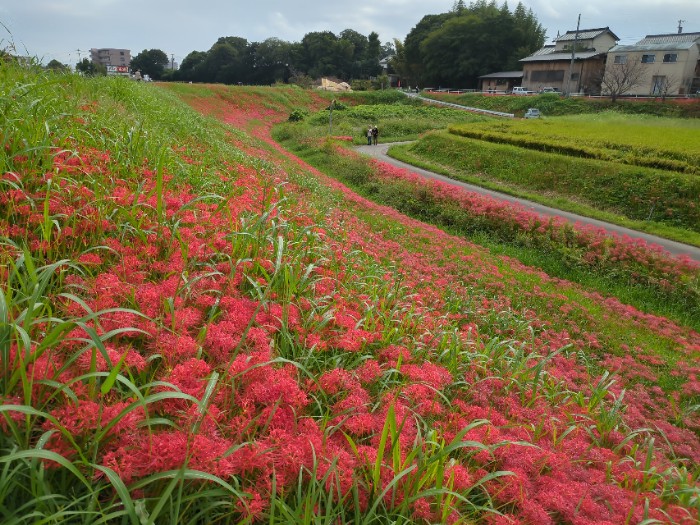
<point x="151" y="62"/>
<point x="232" y="60"/>
<point x="89" y="68"/>
<point x="455" y="48"/>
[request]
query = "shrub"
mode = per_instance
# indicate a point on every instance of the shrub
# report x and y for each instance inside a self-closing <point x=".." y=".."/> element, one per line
<point x="297" y="115"/>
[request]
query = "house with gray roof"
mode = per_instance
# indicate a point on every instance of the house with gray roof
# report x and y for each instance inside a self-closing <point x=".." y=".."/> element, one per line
<point x="500" y="82"/>
<point x="667" y="64"/>
<point x="573" y="64"/>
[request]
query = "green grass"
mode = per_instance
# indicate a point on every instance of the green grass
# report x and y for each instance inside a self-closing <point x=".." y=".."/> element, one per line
<point x="357" y="174"/>
<point x="553" y="104"/>
<point x="396" y="122"/>
<point x="663" y="143"/>
<point x="451" y="157"/>
<point x="132" y="147"/>
<point x="654" y="201"/>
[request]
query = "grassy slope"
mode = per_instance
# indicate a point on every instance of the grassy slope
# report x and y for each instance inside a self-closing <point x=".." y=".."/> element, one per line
<point x="551" y="104"/>
<point x="347" y="284"/>
<point x="536" y="176"/>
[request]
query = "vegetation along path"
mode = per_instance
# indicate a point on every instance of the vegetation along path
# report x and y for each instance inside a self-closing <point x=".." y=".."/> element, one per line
<point x="676" y="248"/>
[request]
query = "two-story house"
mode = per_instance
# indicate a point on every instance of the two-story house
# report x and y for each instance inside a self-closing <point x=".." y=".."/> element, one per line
<point x="666" y="64"/>
<point x="573" y="64"/>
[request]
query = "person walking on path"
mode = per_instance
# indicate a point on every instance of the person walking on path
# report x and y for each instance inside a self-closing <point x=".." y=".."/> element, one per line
<point x="369" y="136"/>
<point x="375" y="135"/>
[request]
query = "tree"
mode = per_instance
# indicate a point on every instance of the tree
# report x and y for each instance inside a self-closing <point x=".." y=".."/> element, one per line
<point x="356" y="66"/>
<point x="319" y="54"/>
<point x="89" y="68"/>
<point x="387" y="49"/>
<point x="398" y="62"/>
<point x="620" y="77"/>
<point x="372" y="55"/>
<point x="150" y="62"/>
<point x="456" y="48"/>
<point x="270" y="61"/>
<point x="222" y="64"/>
<point x="458" y="6"/>
<point x="412" y="60"/>
<point x="663" y="85"/>
<point x="57" y="66"/>
<point x="192" y="67"/>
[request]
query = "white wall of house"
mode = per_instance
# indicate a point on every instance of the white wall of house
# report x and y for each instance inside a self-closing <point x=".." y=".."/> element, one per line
<point x="666" y="68"/>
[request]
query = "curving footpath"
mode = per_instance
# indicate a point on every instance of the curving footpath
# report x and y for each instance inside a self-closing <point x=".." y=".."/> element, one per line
<point x="675" y="248"/>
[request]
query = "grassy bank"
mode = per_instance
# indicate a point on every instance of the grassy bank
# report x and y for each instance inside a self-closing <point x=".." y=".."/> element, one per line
<point x="556" y="105"/>
<point x="660" y="202"/>
<point x="533" y="243"/>
<point x="197" y="326"/>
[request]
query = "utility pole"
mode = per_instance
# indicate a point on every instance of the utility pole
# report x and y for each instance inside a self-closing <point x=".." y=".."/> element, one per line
<point x="330" y="118"/>
<point x="172" y="61"/>
<point x="573" y="57"/>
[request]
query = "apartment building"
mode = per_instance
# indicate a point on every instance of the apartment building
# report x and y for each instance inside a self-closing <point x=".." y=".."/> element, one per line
<point x="116" y="60"/>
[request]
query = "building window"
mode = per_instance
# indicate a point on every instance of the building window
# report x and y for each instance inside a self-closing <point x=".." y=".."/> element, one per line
<point x="670" y="57"/>
<point x="648" y="59"/>
<point x="659" y="85"/>
<point x="620" y="59"/>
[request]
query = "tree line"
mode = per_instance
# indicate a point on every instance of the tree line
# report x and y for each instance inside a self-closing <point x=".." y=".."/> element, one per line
<point x="448" y="49"/>
<point x="233" y="60"/>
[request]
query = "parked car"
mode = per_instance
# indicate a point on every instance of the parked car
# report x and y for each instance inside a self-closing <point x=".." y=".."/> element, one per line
<point x="549" y="90"/>
<point x="532" y="113"/>
<point x="519" y="90"/>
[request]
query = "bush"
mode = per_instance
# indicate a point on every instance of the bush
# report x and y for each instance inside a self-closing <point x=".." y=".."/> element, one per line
<point x="297" y="115"/>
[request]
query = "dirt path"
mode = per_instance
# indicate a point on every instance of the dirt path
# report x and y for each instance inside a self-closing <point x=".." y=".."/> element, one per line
<point x="675" y="248"/>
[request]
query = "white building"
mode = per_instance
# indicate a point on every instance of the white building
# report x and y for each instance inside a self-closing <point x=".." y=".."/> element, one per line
<point x="115" y="60"/>
<point x="670" y="63"/>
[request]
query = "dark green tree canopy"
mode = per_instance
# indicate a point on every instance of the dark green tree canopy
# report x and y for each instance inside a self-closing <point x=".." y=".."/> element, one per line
<point x="55" y="65"/>
<point x="151" y="62"/>
<point x="89" y="68"/>
<point x="454" y="49"/>
<point x="347" y="56"/>
<point x="450" y="49"/>
<point x="192" y="67"/>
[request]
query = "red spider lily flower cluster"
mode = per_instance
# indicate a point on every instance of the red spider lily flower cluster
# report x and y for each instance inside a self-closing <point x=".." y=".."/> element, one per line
<point x="196" y="315"/>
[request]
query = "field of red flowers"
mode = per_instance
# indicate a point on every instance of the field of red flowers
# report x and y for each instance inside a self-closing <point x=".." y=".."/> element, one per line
<point x="192" y="333"/>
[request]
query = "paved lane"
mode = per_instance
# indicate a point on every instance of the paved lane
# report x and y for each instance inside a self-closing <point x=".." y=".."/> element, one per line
<point x="675" y="248"/>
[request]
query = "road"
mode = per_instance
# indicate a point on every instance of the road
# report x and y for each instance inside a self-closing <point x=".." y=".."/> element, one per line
<point x="675" y="248"/>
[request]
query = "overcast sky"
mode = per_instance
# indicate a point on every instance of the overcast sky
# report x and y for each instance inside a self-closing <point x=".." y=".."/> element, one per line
<point x="65" y="30"/>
